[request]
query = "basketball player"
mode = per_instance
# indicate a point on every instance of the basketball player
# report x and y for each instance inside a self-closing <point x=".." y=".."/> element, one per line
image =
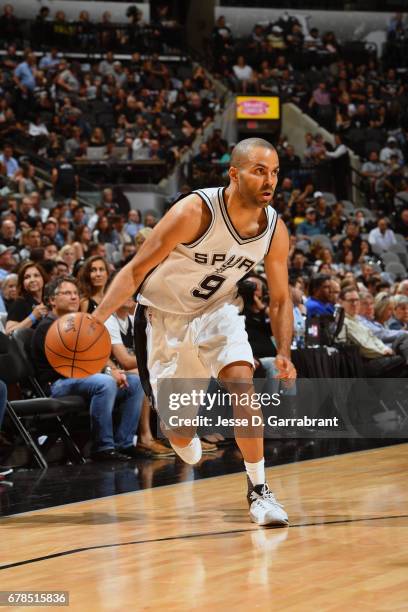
<point x="186" y="274"/>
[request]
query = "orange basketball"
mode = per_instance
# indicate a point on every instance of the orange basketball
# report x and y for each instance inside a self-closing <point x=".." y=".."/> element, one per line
<point x="77" y="345"/>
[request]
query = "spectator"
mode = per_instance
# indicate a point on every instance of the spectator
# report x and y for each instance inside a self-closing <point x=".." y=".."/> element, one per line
<point x="390" y="150"/>
<point x="403" y="288"/>
<point x="31" y="240"/>
<point x="373" y="170"/>
<point x="66" y="81"/>
<point x="128" y="251"/>
<point x="340" y="168"/>
<point x="373" y="312"/>
<point x="319" y="302"/>
<point x="93" y="280"/>
<point x="150" y="220"/>
<point x="334" y="293"/>
<point x="141" y="236"/>
<point x="24" y="74"/>
<point x="8" y="233"/>
<point x="379" y="360"/>
<point x="65" y="180"/>
<point x="134" y="223"/>
<point x="82" y="238"/>
<point x="67" y="254"/>
<point x="103" y="232"/>
<point x="9" y="26"/>
<point x="9" y="291"/>
<point x="50" y="230"/>
<point x="50" y="252"/>
<point x="221" y="36"/>
<point x="7" y="262"/>
<point x="10" y="163"/>
<point x="103" y="390"/>
<point x="400" y="318"/>
<point x="382" y="237"/>
<point x="119" y="237"/>
<point x="245" y="75"/>
<point x="353" y="237"/>
<point x="311" y="226"/>
<point x="298" y="264"/>
<point x="28" y="309"/>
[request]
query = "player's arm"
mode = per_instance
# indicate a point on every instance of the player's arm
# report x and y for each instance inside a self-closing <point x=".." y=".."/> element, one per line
<point x="280" y="305"/>
<point x="186" y="221"/>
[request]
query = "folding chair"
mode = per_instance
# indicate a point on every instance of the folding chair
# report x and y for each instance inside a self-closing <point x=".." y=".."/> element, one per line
<point x="15" y="367"/>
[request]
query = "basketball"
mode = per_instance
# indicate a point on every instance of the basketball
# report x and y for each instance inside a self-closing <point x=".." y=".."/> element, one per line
<point x="77" y="345"/>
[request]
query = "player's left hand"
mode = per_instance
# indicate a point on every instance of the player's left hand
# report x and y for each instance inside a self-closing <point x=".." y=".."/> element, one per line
<point x="286" y="369"/>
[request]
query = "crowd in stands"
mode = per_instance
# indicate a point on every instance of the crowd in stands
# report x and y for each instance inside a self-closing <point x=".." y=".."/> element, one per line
<point x="72" y="110"/>
<point x="345" y="88"/>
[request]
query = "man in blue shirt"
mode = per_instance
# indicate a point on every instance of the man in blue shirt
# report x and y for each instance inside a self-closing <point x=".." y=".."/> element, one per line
<point x="320" y="293"/>
<point x="9" y="162"/>
<point x="311" y="226"/>
<point x="24" y="74"/>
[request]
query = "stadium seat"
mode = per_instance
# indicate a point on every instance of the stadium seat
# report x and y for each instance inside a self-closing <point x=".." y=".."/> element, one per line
<point x="401" y="250"/>
<point x="348" y="206"/>
<point x="329" y="197"/>
<point x="16" y="368"/>
<point x="400" y="239"/>
<point x="389" y="257"/>
<point x="396" y="269"/>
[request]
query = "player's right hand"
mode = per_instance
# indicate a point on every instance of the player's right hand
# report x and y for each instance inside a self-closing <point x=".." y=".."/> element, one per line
<point x="286" y="371"/>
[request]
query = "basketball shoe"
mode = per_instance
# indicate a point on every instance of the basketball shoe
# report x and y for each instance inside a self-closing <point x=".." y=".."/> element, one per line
<point x="264" y="509"/>
<point x="191" y="453"/>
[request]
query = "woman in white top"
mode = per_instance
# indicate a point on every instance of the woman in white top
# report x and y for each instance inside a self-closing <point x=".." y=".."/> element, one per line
<point x="245" y="75"/>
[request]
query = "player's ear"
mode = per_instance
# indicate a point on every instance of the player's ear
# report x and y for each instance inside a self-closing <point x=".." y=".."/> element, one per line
<point x="233" y="173"/>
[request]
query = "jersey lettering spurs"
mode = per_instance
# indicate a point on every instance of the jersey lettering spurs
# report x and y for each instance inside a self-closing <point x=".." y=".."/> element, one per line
<point x="201" y="275"/>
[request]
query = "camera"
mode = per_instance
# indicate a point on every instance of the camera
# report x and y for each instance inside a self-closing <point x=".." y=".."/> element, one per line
<point x="246" y="290"/>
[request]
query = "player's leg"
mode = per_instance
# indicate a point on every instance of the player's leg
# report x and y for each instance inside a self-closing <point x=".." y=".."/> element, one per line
<point x="264" y="509"/>
<point x="224" y="347"/>
<point x="170" y="358"/>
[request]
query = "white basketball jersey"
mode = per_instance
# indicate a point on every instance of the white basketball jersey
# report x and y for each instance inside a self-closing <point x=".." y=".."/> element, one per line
<point x="200" y="275"/>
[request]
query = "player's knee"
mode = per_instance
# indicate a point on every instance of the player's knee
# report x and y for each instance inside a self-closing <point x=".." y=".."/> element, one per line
<point x="239" y="371"/>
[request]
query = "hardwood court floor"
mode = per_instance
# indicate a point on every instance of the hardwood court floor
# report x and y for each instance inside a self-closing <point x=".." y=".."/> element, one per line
<point x="190" y="546"/>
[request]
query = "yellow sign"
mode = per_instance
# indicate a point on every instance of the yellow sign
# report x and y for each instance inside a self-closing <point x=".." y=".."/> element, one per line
<point x="257" y="107"/>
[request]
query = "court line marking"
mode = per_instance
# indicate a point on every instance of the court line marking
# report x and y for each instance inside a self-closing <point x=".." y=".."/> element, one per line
<point x="190" y="536"/>
<point x="192" y="482"/>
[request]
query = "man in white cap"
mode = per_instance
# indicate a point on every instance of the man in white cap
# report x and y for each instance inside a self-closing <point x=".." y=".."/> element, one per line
<point x="391" y="149"/>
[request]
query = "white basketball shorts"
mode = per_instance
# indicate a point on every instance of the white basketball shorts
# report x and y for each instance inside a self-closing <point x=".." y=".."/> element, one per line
<point x="195" y="346"/>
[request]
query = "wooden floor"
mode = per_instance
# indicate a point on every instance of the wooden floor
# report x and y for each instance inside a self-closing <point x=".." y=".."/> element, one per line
<point x="190" y="546"/>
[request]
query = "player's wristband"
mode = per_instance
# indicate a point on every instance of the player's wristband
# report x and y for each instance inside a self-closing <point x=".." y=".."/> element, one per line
<point x="32" y="317"/>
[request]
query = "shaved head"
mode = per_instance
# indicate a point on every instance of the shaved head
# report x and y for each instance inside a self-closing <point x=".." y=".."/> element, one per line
<point x="241" y="153"/>
<point x="253" y="172"/>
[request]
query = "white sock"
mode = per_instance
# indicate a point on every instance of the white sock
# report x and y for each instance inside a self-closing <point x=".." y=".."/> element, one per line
<point x="191" y="453"/>
<point x="256" y="472"/>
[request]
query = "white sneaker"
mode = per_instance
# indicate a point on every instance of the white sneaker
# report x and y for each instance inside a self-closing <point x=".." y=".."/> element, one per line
<point x="191" y="453"/>
<point x="264" y="509"/>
